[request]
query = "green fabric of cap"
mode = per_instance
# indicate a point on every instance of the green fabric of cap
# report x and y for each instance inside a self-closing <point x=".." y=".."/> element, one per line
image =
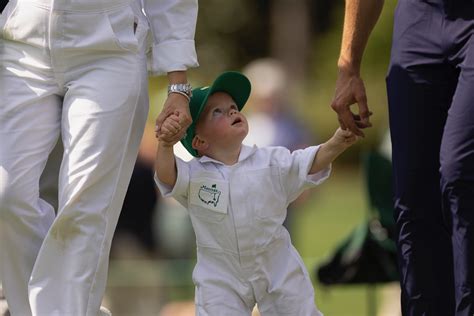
<point x="232" y="82"/>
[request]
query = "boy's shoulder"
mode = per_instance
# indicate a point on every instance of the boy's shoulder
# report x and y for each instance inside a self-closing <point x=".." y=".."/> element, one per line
<point x="268" y="156"/>
<point x="256" y="154"/>
<point x="271" y="150"/>
<point x="279" y="155"/>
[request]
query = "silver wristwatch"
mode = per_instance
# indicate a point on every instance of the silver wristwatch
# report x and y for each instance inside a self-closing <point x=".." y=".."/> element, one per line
<point x="182" y="88"/>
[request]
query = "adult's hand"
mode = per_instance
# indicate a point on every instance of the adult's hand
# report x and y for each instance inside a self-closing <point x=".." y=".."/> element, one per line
<point x="350" y="90"/>
<point x="179" y="105"/>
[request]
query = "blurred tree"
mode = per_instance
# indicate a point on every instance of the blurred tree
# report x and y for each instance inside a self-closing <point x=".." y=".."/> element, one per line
<point x="290" y="37"/>
<point x="229" y="36"/>
<point x="232" y="35"/>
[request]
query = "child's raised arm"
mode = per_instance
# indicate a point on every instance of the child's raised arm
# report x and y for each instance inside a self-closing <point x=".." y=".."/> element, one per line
<point x="165" y="164"/>
<point x="328" y="152"/>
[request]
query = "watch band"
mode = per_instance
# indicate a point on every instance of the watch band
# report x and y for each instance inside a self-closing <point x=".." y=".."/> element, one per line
<point x="181" y="88"/>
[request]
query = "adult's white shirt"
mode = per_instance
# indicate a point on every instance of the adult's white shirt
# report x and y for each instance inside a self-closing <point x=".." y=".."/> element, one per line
<point x="172" y="27"/>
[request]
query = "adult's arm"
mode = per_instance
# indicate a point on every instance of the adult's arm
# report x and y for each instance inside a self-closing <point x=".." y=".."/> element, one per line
<point x="173" y="52"/>
<point x="359" y="21"/>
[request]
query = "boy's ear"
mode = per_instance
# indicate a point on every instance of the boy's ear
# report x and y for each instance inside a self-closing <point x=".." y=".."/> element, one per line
<point x="199" y="144"/>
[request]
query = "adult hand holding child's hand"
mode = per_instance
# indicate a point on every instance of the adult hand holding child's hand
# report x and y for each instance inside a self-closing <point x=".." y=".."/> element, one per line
<point x="175" y="103"/>
<point x="171" y="129"/>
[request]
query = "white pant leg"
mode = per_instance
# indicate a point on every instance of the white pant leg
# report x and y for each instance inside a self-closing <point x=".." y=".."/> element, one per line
<point x="69" y="273"/>
<point x="284" y="286"/>
<point x="29" y="128"/>
<point x="102" y="124"/>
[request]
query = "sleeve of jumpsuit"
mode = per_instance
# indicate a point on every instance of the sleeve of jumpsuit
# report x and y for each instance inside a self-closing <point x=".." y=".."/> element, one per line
<point x="173" y="25"/>
<point x="295" y="168"/>
<point x="180" y="190"/>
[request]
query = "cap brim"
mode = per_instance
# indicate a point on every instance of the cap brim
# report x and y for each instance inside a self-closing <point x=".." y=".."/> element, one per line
<point x="232" y="82"/>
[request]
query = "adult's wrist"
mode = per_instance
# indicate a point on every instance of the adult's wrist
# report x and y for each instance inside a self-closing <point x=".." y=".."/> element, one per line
<point x="184" y="89"/>
<point x="348" y="67"/>
<point x="177" y="77"/>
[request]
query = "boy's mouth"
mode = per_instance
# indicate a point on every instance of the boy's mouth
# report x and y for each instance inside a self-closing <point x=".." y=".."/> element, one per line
<point x="237" y="120"/>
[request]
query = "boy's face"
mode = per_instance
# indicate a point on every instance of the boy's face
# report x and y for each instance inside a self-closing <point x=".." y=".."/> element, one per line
<point x="221" y="124"/>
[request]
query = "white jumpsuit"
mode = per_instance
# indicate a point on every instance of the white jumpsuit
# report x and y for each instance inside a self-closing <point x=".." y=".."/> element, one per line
<point x="244" y="253"/>
<point x="75" y="68"/>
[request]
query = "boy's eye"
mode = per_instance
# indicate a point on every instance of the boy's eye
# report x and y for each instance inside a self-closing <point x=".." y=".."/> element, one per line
<point x="217" y="111"/>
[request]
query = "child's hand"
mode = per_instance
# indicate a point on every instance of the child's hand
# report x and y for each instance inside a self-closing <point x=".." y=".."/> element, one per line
<point x="344" y="138"/>
<point x="169" y="129"/>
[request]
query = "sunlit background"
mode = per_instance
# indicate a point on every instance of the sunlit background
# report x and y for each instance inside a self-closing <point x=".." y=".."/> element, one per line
<point x="153" y="251"/>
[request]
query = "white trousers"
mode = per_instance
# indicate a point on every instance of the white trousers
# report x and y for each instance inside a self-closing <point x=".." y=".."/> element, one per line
<point x="79" y="70"/>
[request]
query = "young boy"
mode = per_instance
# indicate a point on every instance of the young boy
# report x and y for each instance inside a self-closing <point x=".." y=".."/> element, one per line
<point x="237" y="197"/>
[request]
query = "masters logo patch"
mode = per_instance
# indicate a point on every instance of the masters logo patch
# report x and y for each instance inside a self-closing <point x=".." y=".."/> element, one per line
<point x="211" y="194"/>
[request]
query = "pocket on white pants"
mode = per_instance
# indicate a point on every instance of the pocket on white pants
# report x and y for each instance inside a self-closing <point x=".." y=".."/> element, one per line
<point x="125" y="27"/>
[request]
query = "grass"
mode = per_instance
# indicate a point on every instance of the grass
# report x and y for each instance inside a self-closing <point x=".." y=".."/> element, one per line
<point x="335" y="208"/>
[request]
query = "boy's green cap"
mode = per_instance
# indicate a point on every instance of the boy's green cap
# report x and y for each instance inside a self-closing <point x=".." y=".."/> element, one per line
<point x="232" y="82"/>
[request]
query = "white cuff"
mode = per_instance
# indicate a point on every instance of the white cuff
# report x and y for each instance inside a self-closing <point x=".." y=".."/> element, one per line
<point x="172" y="56"/>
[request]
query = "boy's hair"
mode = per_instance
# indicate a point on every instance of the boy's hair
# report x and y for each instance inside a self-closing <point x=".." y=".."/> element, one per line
<point x="232" y="82"/>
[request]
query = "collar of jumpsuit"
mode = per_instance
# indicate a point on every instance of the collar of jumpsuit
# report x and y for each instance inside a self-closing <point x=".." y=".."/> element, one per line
<point x="245" y="152"/>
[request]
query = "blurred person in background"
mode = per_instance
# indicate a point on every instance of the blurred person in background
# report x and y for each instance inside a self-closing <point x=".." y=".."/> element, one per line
<point x="271" y="117"/>
<point x="431" y="112"/>
<point x="271" y="114"/>
<point x="77" y="69"/>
